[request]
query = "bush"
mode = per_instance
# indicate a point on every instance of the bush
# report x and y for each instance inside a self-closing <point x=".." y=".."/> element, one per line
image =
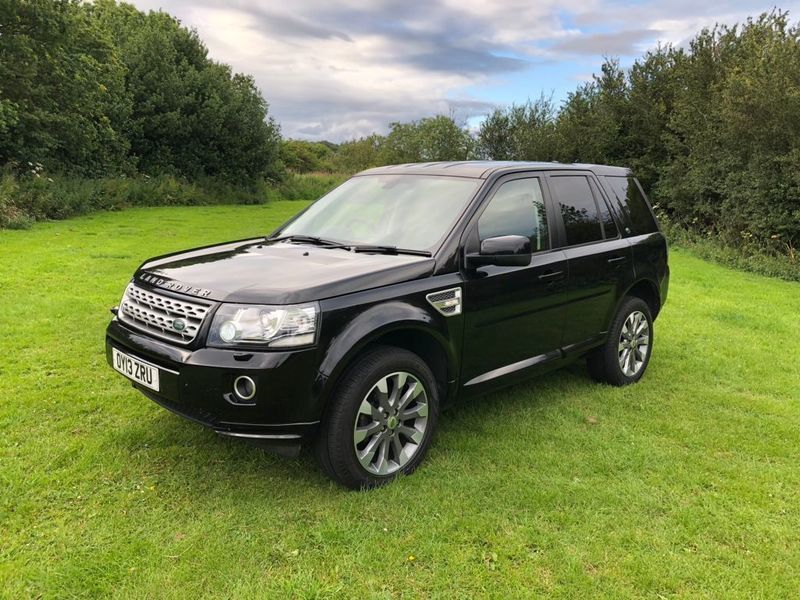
<point x="306" y="186"/>
<point x="783" y="263"/>
<point x="301" y="156"/>
<point x="37" y="197"/>
<point x="11" y="216"/>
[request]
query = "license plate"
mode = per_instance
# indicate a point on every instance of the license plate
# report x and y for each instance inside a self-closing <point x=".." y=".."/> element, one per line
<point x="135" y="369"/>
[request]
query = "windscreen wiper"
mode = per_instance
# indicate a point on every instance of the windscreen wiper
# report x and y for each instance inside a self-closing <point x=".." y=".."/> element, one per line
<point x="309" y="239"/>
<point x="389" y="250"/>
<point x="377" y="249"/>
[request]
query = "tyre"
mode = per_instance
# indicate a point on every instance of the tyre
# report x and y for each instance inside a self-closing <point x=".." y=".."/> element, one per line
<point x="380" y="421"/>
<point x="624" y="356"/>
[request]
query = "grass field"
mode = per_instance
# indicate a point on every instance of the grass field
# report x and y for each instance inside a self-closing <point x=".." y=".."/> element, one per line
<point x="685" y="485"/>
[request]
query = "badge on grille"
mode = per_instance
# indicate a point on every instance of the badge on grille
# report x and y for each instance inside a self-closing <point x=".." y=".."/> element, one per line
<point x="179" y="324"/>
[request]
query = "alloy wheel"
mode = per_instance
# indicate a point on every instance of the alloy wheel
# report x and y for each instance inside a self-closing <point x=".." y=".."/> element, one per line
<point x="391" y="423"/>
<point x="634" y="343"/>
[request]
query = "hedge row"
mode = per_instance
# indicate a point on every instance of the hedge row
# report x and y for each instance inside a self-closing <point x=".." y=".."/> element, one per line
<point x="36" y="197"/>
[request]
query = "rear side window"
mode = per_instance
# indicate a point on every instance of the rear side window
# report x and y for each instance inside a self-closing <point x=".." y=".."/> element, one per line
<point x="609" y="226"/>
<point x="578" y="209"/>
<point x="632" y="205"/>
<point x="517" y="208"/>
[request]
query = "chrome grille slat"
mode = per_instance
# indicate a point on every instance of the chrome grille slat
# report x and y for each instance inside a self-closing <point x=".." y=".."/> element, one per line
<point x="155" y="313"/>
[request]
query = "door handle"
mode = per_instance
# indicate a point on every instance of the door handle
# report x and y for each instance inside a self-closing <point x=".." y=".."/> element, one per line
<point x="550" y="275"/>
<point x="617" y="259"/>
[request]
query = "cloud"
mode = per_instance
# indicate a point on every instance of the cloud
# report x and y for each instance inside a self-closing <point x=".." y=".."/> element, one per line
<point x="354" y="69"/>
<point x="466" y="61"/>
<point x="334" y="70"/>
<point x="620" y="43"/>
<point x="288" y="26"/>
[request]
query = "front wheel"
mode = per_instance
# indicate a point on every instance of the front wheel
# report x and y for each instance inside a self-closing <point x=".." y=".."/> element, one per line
<point x="380" y="421"/>
<point x="624" y="356"/>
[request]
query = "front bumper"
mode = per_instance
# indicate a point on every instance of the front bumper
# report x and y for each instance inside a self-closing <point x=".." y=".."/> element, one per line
<point x="197" y="384"/>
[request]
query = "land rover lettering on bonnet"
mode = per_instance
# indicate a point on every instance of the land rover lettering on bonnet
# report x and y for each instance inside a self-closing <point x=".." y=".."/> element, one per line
<point x="175" y="286"/>
<point x="403" y="291"/>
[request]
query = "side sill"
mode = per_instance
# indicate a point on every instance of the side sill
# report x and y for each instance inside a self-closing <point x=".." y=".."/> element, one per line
<point x="564" y="352"/>
<point x="585" y="345"/>
<point x="512" y="368"/>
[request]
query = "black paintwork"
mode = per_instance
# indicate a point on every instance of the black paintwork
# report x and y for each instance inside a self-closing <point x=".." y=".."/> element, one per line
<point x="520" y="316"/>
<point x="257" y="272"/>
<point x="502" y="251"/>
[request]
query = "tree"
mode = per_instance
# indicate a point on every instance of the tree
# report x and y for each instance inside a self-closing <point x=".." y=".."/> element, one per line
<point x="357" y="155"/>
<point x="652" y="87"/>
<point x="520" y="132"/>
<point x="301" y="156"/>
<point x="495" y="136"/>
<point x="733" y="138"/>
<point x="191" y="116"/>
<point x="101" y="88"/>
<point x="62" y="95"/>
<point x="591" y="125"/>
<point x="431" y="139"/>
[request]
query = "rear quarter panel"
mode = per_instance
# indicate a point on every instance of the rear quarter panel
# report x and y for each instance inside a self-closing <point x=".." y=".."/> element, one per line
<point x="650" y="259"/>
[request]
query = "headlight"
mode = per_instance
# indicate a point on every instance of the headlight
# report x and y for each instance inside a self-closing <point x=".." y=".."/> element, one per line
<point x="273" y="326"/>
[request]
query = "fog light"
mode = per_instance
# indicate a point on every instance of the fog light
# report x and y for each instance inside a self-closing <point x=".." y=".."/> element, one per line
<point x="244" y="388"/>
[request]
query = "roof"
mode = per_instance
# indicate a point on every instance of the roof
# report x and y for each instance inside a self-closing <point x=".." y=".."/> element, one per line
<point x="482" y="169"/>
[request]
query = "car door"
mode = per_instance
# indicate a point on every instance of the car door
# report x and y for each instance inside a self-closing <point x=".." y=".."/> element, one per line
<point x="513" y="315"/>
<point x="600" y="260"/>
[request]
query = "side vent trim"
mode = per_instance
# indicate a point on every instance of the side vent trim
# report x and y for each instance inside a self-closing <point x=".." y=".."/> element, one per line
<point x="447" y="302"/>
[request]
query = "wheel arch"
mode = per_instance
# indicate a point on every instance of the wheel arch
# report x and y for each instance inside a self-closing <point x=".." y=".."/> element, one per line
<point x="425" y="345"/>
<point x="647" y="290"/>
<point x="399" y="325"/>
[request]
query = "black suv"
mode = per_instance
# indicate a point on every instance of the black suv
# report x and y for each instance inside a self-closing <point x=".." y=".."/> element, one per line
<point x="405" y="289"/>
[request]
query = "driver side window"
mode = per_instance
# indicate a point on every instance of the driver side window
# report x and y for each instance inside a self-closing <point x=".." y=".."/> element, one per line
<point x="517" y="208"/>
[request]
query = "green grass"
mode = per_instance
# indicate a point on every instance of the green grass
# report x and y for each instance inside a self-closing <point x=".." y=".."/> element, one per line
<point x="684" y="485"/>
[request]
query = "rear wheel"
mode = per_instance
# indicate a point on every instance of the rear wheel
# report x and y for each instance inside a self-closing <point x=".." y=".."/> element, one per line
<point x="624" y="357"/>
<point x="380" y="421"/>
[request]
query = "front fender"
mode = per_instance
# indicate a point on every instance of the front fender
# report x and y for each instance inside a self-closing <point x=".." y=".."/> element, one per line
<point x="372" y="324"/>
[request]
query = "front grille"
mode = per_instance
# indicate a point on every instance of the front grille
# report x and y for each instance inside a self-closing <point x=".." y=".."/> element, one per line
<point x="156" y="314"/>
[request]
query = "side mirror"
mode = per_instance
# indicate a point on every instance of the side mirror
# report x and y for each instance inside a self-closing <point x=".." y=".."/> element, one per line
<point x="502" y="251"/>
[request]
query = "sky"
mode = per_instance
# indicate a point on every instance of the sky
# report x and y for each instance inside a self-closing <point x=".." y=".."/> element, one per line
<point x="336" y="70"/>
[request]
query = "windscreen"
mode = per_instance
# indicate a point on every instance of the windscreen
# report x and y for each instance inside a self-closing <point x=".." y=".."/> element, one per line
<point x="407" y="211"/>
